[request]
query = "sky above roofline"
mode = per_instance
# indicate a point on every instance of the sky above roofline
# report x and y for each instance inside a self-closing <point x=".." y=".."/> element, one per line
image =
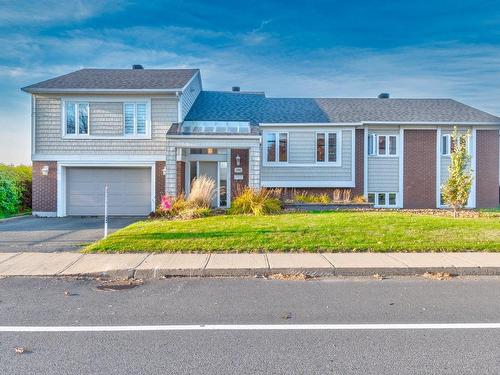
<point x="426" y="49"/>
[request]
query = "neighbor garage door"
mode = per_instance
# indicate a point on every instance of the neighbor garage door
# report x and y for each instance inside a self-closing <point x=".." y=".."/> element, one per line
<point x="129" y="191"/>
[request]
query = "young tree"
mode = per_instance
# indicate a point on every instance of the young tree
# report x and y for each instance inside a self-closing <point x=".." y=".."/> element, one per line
<point x="457" y="189"/>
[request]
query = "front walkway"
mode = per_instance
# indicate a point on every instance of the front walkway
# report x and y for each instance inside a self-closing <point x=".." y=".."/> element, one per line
<point x="147" y="266"/>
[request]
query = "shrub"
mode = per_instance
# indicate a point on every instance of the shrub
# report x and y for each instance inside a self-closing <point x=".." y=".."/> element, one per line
<point x="312" y="198"/>
<point x="346" y="193"/>
<point x="336" y="195"/>
<point x="194" y="213"/>
<point x="15" y="184"/>
<point x="358" y="199"/>
<point x="256" y="202"/>
<point x="202" y="192"/>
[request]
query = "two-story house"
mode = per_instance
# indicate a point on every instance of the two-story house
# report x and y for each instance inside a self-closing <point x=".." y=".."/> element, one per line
<point x="149" y="132"/>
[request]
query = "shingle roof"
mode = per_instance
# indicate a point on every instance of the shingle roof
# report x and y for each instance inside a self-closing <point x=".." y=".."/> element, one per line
<point x="256" y="108"/>
<point x="117" y="79"/>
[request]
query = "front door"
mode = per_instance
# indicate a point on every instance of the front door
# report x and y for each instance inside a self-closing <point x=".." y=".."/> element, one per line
<point x="209" y="169"/>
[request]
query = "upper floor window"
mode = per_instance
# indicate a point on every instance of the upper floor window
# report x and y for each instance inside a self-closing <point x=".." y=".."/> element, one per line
<point x="326" y="147"/>
<point x="76" y="115"/>
<point x="276" y="147"/>
<point x="135" y="118"/>
<point x="382" y="145"/>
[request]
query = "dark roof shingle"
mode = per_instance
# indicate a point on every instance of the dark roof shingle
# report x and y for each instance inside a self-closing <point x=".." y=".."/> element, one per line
<point x="257" y="108"/>
<point x="117" y="79"/>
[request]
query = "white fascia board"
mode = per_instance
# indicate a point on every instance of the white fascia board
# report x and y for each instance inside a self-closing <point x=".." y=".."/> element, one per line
<point x="446" y="123"/>
<point x="101" y="91"/>
<point x="307" y="184"/>
<point x="293" y="124"/>
<point x="98" y="158"/>
<point x="201" y="136"/>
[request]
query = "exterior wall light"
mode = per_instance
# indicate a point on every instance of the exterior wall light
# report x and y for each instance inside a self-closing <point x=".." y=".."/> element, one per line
<point x="164" y="171"/>
<point x="45" y="170"/>
<point x="238" y="160"/>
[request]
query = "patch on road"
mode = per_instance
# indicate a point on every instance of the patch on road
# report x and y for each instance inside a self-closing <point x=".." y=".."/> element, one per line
<point x="115" y="285"/>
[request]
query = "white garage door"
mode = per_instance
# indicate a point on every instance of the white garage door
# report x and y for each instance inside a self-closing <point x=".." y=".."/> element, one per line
<point x="129" y="191"/>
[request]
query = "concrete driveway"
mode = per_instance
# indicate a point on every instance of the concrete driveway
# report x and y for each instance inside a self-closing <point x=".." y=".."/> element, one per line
<point x="55" y="234"/>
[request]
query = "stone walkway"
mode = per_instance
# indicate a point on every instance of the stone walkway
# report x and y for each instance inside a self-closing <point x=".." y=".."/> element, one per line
<point x="325" y="264"/>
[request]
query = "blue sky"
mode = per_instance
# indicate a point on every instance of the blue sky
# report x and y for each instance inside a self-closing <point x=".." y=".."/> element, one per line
<point x="286" y="48"/>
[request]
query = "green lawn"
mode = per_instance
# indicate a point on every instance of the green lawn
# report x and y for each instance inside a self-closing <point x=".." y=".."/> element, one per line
<point x="314" y="231"/>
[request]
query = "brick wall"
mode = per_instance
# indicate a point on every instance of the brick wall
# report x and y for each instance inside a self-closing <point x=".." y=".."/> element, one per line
<point x="360" y="161"/>
<point x="159" y="181"/>
<point x="487" y="151"/>
<point x="419" y="174"/>
<point x="181" y="177"/>
<point x="44" y="187"/>
<point x="238" y="185"/>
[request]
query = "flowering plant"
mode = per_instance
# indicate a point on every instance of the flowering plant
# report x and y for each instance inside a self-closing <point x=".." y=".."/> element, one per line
<point x="166" y="202"/>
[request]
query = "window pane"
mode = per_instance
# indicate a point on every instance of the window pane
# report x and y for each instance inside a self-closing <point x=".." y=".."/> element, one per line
<point x="271" y="146"/>
<point x="129" y="118"/>
<point x="320" y="147"/>
<point x="392" y="145"/>
<point x="381" y="199"/>
<point x="381" y="145"/>
<point x="371" y="198"/>
<point x="371" y="144"/>
<point x="223" y="183"/>
<point x="70" y="118"/>
<point x="392" y="199"/>
<point x="193" y="170"/>
<point x="283" y="146"/>
<point x="444" y="145"/>
<point x="83" y="118"/>
<point x="141" y="118"/>
<point x="332" y="147"/>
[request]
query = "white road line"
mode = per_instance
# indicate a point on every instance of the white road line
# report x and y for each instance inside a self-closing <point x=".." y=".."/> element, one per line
<point x="253" y="327"/>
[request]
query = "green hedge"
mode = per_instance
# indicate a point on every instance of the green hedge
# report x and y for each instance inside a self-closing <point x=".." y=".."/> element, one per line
<point x="15" y="189"/>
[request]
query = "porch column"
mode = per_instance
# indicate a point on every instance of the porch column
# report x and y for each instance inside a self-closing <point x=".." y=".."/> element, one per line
<point x="171" y="171"/>
<point x="254" y="167"/>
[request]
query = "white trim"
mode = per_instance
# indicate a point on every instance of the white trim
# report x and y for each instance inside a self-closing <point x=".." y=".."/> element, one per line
<point x="448" y="143"/>
<point x="307" y="184"/>
<point x="191" y="80"/>
<point x="472" y="149"/>
<point x="338" y="155"/>
<point x="298" y="124"/>
<point x="100" y="91"/>
<point x="99" y="158"/>
<point x="61" y="179"/>
<point x="277" y="162"/>
<point x="401" y="147"/>
<point x="438" y="168"/>
<point x="365" y="163"/>
<point x="33" y="143"/>
<point x="179" y="107"/>
<point x="386" y="195"/>
<point x="218" y="136"/>
<point x="368" y="123"/>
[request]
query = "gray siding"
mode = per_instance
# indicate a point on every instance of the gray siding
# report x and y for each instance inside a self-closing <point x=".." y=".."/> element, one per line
<point x="105" y="120"/>
<point x="302" y="150"/>
<point x="190" y="94"/>
<point x="383" y="174"/>
<point x="383" y="171"/>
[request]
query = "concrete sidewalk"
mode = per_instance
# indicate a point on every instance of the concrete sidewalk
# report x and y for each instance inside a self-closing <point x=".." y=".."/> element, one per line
<point x="325" y="264"/>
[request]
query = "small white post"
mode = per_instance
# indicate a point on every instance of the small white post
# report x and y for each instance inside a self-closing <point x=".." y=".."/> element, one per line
<point x="105" y="211"/>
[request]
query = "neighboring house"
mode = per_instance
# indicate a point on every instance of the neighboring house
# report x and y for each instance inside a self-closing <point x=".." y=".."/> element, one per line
<point x="147" y="132"/>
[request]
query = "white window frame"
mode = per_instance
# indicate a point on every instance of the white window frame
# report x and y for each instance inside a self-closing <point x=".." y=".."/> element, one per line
<point x="374" y="139"/>
<point x="386" y="205"/>
<point x="327" y="146"/>
<point x="77" y="133"/>
<point x="446" y="152"/>
<point x="276" y="148"/>
<point x="148" y="121"/>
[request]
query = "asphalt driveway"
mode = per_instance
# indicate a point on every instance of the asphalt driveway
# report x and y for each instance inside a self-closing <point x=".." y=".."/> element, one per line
<point x="55" y="234"/>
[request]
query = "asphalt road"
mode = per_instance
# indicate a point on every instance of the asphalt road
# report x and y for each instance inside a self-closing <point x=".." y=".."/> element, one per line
<point x="43" y="302"/>
<point x="54" y="234"/>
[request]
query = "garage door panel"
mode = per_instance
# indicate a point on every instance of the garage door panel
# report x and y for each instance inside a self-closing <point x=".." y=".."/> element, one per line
<point x="129" y="190"/>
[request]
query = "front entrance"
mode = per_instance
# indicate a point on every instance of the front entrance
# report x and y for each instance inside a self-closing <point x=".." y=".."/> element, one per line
<point x="217" y="171"/>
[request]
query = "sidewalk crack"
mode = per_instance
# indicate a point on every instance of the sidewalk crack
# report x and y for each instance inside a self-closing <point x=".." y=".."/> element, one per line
<point x="69" y="265"/>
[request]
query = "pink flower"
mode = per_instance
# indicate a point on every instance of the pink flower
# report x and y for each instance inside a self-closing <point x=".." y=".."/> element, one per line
<point x="166" y="202"/>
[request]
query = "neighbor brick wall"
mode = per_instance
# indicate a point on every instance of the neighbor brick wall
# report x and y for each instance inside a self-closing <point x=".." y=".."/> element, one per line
<point x="237" y="186"/>
<point x="44" y="187"/>
<point x="419" y="173"/>
<point x="181" y="176"/>
<point x="487" y="153"/>
<point x="360" y="162"/>
<point x="159" y="181"/>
